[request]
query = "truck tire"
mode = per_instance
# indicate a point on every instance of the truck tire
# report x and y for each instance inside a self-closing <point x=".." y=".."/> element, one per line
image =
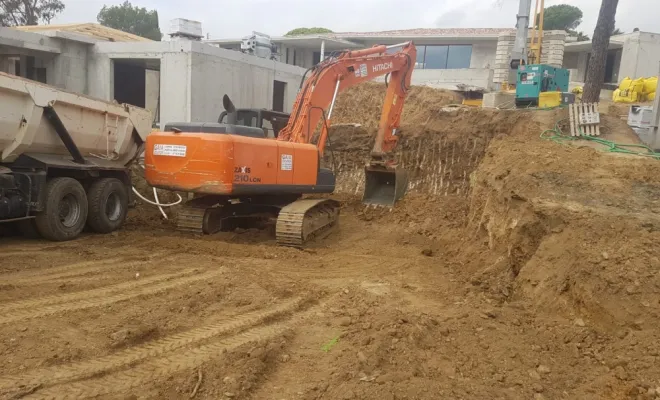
<point x="65" y="210"/>
<point x="108" y="205"/>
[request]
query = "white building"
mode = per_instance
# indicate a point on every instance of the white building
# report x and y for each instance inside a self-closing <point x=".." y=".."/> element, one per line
<point x="179" y="80"/>
<point x="633" y="55"/>
<point x="456" y="59"/>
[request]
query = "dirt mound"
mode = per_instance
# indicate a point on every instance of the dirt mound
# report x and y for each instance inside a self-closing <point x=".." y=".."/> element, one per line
<point x="439" y="148"/>
<point x="363" y="104"/>
<point x="572" y="229"/>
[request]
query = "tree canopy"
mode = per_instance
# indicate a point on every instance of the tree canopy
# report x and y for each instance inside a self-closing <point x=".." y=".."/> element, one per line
<point x="561" y="17"/>
<point x="307" y="31"/>
<point x="28" y="12"/>
<point x="132" y="19"/>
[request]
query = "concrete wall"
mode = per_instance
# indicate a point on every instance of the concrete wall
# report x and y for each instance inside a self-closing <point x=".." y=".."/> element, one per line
<point x="304" y="57"/>
<point x="70" y="69"/>
<point x="454" y="79"/>
<point x="552" y="52"/>
<point x="194" y="77"/>
<point x="483" y="54"/>
<point x="248" y="81"/>
<point x="641" y="55"/>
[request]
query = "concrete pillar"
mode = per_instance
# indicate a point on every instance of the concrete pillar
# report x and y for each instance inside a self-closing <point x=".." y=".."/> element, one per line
<point x="322" y="50"/>
<point x="23" y="68"/>
<point x="101" y="77"/>
<point x="175" y="87"/>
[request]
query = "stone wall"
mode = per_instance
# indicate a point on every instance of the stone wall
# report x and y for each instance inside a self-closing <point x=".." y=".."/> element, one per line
<point x="552" y="52"/>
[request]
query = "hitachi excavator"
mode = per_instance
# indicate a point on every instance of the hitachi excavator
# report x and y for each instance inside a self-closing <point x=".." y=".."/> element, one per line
<point x="238" y="173"/>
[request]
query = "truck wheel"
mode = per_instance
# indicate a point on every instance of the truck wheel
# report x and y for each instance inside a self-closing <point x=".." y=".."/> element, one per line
<point x="65" y="210"/>
<point x="108" y="205"/>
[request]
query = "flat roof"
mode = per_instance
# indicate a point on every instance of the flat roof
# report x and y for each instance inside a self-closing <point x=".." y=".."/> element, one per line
<point x="579" y="47"/>
<point x="302" y="41"/>
<point x="428" y="33"/>
<point x="91" y="30"/>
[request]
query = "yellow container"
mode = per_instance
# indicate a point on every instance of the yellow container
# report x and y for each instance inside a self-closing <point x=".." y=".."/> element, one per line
<point x="549" y="99"/>
<point x="473" y="102"/>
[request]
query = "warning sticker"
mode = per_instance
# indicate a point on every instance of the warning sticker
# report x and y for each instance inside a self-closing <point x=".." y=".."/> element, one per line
<point x="287" y="162"/>
<point x="363" y="70"/>
<point x="174" y="150"/>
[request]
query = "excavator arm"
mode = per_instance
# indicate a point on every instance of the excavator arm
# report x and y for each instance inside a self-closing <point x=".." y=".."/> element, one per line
<point x="384" y="182"/>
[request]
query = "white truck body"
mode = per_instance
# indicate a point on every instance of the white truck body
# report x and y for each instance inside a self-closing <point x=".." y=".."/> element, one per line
<point x="102" y="131"/>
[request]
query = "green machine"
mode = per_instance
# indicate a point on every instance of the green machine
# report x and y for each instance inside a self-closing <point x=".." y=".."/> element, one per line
<point x="536" y="78"/>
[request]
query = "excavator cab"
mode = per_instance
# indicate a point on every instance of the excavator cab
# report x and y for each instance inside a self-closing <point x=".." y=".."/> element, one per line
<point x="270" y="121"/>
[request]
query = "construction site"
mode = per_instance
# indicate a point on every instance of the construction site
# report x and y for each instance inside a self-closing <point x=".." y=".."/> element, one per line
<point x="383" y="240"/>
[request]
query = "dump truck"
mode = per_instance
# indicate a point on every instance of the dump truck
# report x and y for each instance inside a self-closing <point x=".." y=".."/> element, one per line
<point x="65" y="159"/>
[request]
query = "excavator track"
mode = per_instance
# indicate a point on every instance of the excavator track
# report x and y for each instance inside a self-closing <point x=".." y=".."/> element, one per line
<point x="304" y="220"/>
<point x="198" y="220"/>
<point x="191" y="219"/>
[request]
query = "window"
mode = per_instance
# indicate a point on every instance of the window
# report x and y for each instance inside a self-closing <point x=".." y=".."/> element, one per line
<point x="443" y="57"/>
<point x="459" y="57"/>
<point x="436" y="57"/>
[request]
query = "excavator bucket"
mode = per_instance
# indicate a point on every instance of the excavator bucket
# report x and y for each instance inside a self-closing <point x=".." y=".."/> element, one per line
<point x="384" y="186"/>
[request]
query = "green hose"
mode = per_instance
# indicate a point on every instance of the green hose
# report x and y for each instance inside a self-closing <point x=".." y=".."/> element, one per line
<point x="556" y="135"/>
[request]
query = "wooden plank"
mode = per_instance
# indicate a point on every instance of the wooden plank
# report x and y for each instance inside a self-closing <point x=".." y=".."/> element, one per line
<point x="597" y="110"/>
<point x="571" y="117"/>
<point x="576" y="115"/>
<point x="587" y="111"/>
<point x="580" y="127"/>
<point x="587" y="128"/>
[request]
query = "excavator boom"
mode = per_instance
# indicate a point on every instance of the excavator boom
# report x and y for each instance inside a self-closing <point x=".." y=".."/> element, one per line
<point x="385" y="182"/>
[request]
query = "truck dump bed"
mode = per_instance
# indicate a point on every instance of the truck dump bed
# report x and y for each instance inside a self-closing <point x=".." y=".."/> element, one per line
<point x="107" y="134"/>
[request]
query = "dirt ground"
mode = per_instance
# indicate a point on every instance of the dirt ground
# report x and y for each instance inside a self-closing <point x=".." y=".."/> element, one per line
<point x="516" y="268"/>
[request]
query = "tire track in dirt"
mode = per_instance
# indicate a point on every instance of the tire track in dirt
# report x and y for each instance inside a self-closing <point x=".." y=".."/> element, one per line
<point x="102" y="301"/>
<point x="82" y="268"/>
<point x="85" y="369"/>
<point x="340" y="267"/>
<point x="159" y="368"/>
<point x="87" y="294"/>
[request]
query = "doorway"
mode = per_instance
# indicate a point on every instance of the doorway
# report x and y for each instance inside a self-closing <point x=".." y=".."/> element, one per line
<point x="130" y="84"/>
<point x="279" y="90"/>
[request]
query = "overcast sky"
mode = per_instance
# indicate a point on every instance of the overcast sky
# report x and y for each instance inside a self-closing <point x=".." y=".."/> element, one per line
<point x="237" y="18"/>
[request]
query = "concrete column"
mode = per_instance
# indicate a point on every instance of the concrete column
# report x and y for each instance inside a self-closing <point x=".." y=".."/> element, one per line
<point x="23" y="70"/>
<point x="101" y="77"/>
<point x="175" y="86"/>
<point x="322" y="50"/>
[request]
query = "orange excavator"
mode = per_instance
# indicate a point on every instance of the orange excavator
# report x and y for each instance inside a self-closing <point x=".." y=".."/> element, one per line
<point x="239" y="174"/>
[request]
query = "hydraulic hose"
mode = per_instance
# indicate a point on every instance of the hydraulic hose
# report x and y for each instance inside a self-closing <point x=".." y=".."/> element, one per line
<point x="556" y="135"/>
<point x="156" y="202"/>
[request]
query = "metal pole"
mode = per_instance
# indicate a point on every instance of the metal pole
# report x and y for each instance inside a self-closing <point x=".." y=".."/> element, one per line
<point x="334" y="97"/>
<point x="397" y="45"/>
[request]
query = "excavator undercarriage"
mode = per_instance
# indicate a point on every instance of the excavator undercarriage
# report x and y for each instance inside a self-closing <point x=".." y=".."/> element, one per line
<point x="297" y="221"/>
